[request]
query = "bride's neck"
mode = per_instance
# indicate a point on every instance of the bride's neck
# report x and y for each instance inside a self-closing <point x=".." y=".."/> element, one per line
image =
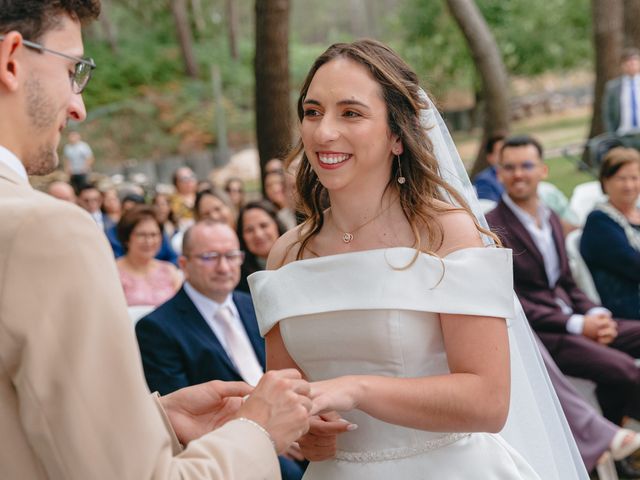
<point x="350" y="211"/>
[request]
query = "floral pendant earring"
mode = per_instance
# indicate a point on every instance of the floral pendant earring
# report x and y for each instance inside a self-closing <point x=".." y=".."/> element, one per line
<point x="401" y="178"/>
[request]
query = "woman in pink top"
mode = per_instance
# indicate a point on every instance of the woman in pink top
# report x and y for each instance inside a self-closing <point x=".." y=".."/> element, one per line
<point x="145" y="280"/>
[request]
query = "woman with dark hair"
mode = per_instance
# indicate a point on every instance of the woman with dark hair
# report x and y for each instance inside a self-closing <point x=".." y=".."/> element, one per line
<point x="258" y="229"/>
<point x="390" y="303"/>
<point x="162" y="203"/>
<point x="145" y="280"/>
<point x="610" y="243"/>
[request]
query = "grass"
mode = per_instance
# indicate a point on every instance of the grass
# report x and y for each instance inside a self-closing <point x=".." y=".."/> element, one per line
<point x="554" y="131"/>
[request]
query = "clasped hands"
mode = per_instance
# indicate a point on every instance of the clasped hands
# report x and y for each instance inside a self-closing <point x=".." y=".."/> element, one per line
<point x="600" y="327"/>
<point x="281" y="403"/>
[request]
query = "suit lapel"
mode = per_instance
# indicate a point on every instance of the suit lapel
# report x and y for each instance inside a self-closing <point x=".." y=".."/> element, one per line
<point x="558" y="238"/>
<point x="518" y="230"/>
<point x="190" y="314"/>
<point x="248" y="317"/>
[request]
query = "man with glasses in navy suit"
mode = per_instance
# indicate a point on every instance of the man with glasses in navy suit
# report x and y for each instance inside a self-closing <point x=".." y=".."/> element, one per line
<point x="207" y="331"/>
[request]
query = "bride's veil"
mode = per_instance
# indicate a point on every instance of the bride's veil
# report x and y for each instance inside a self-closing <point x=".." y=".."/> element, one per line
<point x="536" y="426"/>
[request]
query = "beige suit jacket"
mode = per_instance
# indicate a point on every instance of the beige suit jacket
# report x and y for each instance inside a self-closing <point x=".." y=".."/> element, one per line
<point x="73" y="399"/>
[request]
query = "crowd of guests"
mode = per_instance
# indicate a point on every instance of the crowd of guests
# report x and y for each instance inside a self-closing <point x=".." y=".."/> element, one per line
<point x="577" y="337"/>
<point x="189" y="253"/>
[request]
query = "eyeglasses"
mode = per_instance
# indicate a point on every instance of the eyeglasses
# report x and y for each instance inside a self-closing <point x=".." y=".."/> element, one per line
<point x="146" y="235"/>
<point x="233" y="257"/>
<point x="527" y="166"/>
<point x="82" y="70"/>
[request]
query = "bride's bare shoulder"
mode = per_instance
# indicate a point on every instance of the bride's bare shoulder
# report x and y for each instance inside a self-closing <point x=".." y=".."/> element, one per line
<point x="286" y="248"/>
<point x="458" y="228"/>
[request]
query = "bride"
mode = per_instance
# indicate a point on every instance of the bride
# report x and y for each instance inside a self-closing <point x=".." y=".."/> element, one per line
<point x="389" y="301"/>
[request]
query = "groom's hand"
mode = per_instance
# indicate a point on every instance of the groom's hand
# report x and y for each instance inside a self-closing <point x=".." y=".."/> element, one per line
<point x="196" y="410"/>
<point x="280" y="404"/>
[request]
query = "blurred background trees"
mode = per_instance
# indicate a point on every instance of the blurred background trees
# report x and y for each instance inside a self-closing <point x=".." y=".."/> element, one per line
<point x="151" y="96"/>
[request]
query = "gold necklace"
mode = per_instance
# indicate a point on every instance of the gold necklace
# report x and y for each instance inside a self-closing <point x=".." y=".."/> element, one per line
<point x="347" y="237"/>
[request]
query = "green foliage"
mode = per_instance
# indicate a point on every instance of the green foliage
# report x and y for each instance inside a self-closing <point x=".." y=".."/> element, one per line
<point x="534" y="37"/>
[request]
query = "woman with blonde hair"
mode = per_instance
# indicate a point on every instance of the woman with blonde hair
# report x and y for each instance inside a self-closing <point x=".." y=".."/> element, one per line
<point x="389" y="301"/>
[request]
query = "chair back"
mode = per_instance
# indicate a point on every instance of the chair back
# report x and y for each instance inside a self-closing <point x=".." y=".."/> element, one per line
<point x="579" y="269"/>
<point x="584" y="198"/>
<point x="136" y="312"/>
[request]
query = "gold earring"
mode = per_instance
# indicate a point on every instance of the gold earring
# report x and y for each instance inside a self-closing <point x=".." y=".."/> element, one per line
<point x="401" y="178"/>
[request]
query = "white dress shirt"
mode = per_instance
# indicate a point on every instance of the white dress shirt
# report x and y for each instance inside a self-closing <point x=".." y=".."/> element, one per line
<point x="543" y="238"/>
<point x="626" y="124"/>
<point x="208" y="309"/>
<point x="10" y="160"/>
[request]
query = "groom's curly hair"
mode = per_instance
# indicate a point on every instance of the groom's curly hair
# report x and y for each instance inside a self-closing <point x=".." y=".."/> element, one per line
<point x="34" y="18"/>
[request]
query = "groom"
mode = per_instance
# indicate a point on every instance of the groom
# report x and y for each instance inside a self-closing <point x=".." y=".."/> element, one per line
<point x="73" y="403"/>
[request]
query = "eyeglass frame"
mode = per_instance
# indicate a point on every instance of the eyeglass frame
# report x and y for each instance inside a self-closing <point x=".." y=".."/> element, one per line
<point x="526" y="166"/>
<point x="214" y="258"/>
<point x="75" y="85"/>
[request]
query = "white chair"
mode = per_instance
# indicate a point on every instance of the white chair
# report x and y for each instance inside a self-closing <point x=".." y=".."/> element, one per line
<point x="579" y="269"/>
<point x="138" y="311"/>
<point x="486" y="205"/>
<point x="584" y="197"/>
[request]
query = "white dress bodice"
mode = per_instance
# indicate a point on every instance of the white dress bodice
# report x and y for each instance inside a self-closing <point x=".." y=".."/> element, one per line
<point x="377" y="313"/>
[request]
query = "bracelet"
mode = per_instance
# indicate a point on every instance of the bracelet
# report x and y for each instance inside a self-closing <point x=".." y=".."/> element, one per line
<point x="261" y="428"/>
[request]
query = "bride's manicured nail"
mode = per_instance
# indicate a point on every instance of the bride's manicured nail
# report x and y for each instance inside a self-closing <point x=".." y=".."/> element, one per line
<point x="352" y="427"/>
<point x="343" y="420"/>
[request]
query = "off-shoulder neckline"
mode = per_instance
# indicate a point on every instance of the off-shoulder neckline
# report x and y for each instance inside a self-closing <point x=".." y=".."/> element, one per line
<point x="338" y="256"/>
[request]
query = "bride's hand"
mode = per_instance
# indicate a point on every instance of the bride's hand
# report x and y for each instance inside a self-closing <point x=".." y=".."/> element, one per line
<point x="319" y="443"/>
<point x="338" y="394"/>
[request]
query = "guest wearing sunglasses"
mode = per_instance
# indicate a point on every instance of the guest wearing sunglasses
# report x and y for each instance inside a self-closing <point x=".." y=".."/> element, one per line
<point x="208" y="330"/>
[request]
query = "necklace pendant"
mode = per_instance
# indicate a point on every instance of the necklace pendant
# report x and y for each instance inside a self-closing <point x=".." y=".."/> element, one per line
<point x="347" y="237"/>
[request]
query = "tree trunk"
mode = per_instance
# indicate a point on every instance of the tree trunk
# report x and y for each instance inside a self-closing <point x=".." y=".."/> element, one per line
<point x="108" y="30"/>
<point x="183" y="29"/>
<point x="232" y="28"/>
<point x="488" y="62"/>
<point x="272" y="79"/>
<point x="632" y="23"/>
<point x="607" y="38"/>
<point x="198" y="16"/>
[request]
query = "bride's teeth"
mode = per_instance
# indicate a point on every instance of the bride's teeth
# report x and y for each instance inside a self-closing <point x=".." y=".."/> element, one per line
<point x="333" y="159"/>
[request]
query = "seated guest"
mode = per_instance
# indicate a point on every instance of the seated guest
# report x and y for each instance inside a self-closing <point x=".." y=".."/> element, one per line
<point x="145" y="280"/>
<point x="182" y="201"/>
<point x="234" y="187"/>
<point x="275" y="190"/>
<point x="111" y="205"/>
<point x="166" y="252"/>
<point x="486" y="181"/>
<point x="207" y="331"/>
<point x="582" y="337"/>
<point x="161" y="202"/>
<point x="258" y="229"/>
<point x="214" y="204"/>
<point x="90" y="198"/>
<point x="610" y="243"/>
<point x="62" y="191"/>
<point x="211" y="204"/>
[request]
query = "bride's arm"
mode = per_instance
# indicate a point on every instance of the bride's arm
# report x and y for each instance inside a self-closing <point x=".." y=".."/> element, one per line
<point x="473" y="397"/>
<point x="319" y="443"/>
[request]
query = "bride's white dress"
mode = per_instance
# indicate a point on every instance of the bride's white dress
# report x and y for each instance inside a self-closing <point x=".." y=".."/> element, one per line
<point x="365" y="313"/>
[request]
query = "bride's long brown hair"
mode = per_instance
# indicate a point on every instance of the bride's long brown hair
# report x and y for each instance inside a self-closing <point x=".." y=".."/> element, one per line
<point x="423" y="186"/>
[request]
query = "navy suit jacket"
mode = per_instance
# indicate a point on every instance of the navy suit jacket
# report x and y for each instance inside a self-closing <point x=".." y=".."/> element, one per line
<point x="487" y="184"/>
<point x="614" y="265"/>
<point x="530" y="278"/>
<point x="179" y="348"/>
